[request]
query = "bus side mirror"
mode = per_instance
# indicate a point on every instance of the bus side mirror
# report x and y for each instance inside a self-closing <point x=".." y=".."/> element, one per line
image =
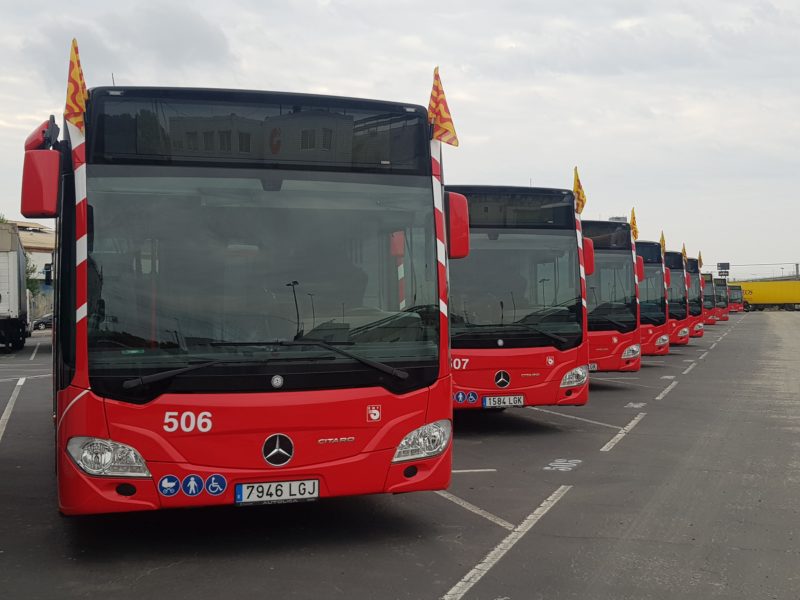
<point x="588" y="256"/>
<point x="457" y="225"/>
<point x="640" y="268"/>
<point x="668" y="277"/>
<point x="48" y="274"/>
<point x="40" y="178"/>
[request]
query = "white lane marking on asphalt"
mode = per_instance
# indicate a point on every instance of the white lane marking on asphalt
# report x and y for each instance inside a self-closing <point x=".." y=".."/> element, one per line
<point x="477" y="510"/>
<point x="668" y="377"/>
<point x="482" y="568"/>
<point x="596" y="378"/>
<point x="689" y="368"/>
<point x="654" y="362"/>
<point x="666" y="391"/>
<point x="714" y="345"/>
<point x="688" y="360"/>
<point x="703" y="355"/>
<point x="563" y="464"/>
<point x="552" y="412"/>
<point x="35" y="350"/>
<point x="26" y="377"/>
<point x="66" y="410"/>
<point x="623" y="432"/>
<point x="636" y="405"/>
<point x="10" y="406"/>
<point x="474" y="471"/>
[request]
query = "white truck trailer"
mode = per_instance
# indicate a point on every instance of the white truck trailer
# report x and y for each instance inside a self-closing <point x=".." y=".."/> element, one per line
<point x="13" y="297"/>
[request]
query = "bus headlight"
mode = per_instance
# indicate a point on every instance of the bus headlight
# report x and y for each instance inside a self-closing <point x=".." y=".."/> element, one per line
<point x="699" y="327"/>
<point x="683" y="332"/>
<point x="106" y="458"/>
<point x="663" y="339"/>
<point x="429" y="440"/>
<point x="632" y="351"/>
<point x="576" y="376"/>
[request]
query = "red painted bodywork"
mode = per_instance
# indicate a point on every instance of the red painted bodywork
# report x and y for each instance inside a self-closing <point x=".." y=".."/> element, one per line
<point x="606" y="348"/>
<point x="651" y="333"/>
<point x="241" y="423"/>
<point x="530" y="372"/>
<point x="694" y="331"/>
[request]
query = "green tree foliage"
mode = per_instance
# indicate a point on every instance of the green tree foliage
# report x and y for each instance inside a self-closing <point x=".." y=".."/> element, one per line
<point x="30" y="275"/>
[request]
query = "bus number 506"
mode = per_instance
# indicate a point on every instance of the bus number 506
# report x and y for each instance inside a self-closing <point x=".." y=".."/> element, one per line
<point x="187" y="421"/>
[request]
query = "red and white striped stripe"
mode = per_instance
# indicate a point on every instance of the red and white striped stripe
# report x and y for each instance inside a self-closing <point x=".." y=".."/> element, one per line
<point x="438" y="215"/>
<point x="581" y="263"/>
<point x="401" y="282"/>
<point x="77" y="141"/>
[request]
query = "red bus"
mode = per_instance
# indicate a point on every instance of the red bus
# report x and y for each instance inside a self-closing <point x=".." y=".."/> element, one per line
<point x="696" y="326"/>
<point x="678" y="299"/>
<point x="709" y="300"/>
<point x="612" y="298"/>
<point x="232" y="321"/>
<point x="736" y="298"/>
<point x="653" y="299"/>
<point x="722" y="298"/>
<point x="518" y="302"/>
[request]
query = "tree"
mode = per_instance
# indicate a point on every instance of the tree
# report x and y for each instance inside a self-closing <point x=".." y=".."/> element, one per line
<point x="30" y="275"/>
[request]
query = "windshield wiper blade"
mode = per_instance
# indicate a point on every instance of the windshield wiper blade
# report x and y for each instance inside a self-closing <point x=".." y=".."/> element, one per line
<point x="379" y="366"/>
<point x="129" y="384"/>
<point x="619" y="324"/>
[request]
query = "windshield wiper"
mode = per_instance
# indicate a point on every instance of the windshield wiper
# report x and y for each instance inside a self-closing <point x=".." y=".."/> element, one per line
<point x="379" y="366"/>
<point x="511" y="326"/>
<point x="129" y="384"/>
<point x="614" y="322"/>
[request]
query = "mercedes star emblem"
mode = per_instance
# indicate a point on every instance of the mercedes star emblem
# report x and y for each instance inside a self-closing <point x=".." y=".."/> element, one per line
<point x="502" y="379"/>
<point x="278" y="449"/>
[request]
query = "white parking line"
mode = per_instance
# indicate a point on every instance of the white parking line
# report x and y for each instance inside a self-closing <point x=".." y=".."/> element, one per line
<point x="703" y="355"/>
<point x="482" y="568"/>
<point x="623" y="432"/>
<point x="477" y="510"/>
<point x="474" y="471"/>
<point x="10" y="406"/>
<point x="552" y="412"/>
<point x="668" y="377"/>
<point x="714" y="345"/>
<point x="666" y="391"/>
<point x="689" y="368"/>
<point x="33" y="354"/>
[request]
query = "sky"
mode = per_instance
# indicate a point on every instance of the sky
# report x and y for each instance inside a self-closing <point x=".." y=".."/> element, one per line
<point x="687" y="111"/>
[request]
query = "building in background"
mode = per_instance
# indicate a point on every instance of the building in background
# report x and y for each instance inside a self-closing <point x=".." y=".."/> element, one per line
<point x="39" y="242"/>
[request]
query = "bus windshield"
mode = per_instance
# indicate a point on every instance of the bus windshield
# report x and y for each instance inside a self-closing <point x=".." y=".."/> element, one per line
<point x="610" y="292"/>
<point x="695" y="295"/>
<point x="736" y="294"/>
<point x="651" y="295"/>
<point x="193" y="264"/>
<point x="721" y="293"/>
<point x="518" y="288"/>
<point x="676" y="295"/>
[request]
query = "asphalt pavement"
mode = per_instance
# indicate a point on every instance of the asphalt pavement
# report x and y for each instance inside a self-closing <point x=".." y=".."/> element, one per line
<point x="680" y="481"/>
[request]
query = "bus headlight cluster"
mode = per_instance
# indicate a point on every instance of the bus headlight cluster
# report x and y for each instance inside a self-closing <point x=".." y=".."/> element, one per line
<point x="662" y="339"/>
<point x="424" y="442"/>
<point x="106" y="458"/>
<point x="576" y="376"/>
<point x="684" y="331"/>
<point x="632" y="351"/>
<point x="699" y="327"/>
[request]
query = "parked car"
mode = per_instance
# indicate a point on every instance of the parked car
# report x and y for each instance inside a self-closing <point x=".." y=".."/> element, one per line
<point x="44" y="322"/>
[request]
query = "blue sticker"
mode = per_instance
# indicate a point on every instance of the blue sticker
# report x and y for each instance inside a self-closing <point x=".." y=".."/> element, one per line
<point x="169" y="485"/>
<point x="460" y="397"/>
<point x="472" y="397"/>
<point x="192" y="485"/>
<point x="216" y="484"/>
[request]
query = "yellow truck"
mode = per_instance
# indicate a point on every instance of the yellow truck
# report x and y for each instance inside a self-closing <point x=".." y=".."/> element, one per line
<point x="783" y="294"/>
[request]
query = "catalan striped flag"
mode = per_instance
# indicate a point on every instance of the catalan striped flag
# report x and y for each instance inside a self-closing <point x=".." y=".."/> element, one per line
<point x="439" y="114"/>
<point x="634" y="227"/>
<point x="580" y="195"/>
<point x="76" y="90"/>
<point x="683" y="252"/>
<point x="663" y="244"/>
<point x="700" y="260"/>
